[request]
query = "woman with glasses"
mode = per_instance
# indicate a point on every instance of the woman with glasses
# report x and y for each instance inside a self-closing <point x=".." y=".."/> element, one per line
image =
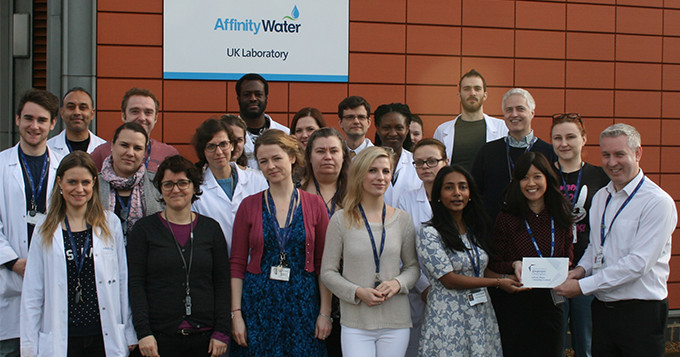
<point x="125" y="186"/>
<point x="225" y="184"/>
<point x="66" y="310"/>
<point x="429" y="156"/>
<point x="392" y="130"/>
<point x="375" y="243"/>
<point x="579" y="181"/>
<point x="535" y="222"/>
<point x="305" y="122"/>
<point x="179" y="271"/>
<point x="279" y="306"/>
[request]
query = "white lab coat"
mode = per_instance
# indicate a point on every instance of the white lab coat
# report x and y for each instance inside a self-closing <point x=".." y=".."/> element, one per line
<point x="44" y="304"/>
<point x="215" y="204"/>
<point x="416" y="204"/>
<point x="13" y="233"/>
<point x="408" y="179"/>
<point x="58" y="143"/>
<point x="495" y="129"/>
<point x="249" y="145"/>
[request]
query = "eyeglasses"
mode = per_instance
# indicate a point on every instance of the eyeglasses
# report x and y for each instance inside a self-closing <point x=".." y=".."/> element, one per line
<point x="354" y="116"/>
<point x="168" y="186"/>
<point x="431" y="162"/>
<point x="210" y="147"/>
<point x="571" y="117"/>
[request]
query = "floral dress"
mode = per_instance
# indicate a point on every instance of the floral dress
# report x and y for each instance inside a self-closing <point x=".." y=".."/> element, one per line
<point x="451" y="326"/>
<point x="281" y="316"/>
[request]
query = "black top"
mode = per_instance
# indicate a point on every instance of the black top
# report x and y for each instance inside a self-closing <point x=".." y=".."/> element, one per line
<point x="79" y="145"/>
<point x="592" y="179"/>
<point x="157" y="278"/>
<point x="491" y="170"/>
<point x="83" y="317"/>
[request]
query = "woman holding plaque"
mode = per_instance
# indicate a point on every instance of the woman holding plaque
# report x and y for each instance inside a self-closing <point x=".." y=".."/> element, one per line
<point x="534" y="222"/>
<point x="279" y="306"/>
<point x="375" y="243"/>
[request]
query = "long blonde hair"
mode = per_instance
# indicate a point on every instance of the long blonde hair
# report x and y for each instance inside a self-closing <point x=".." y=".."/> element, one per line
<point x="355" y="189"/>
<point x="95" y="215"/>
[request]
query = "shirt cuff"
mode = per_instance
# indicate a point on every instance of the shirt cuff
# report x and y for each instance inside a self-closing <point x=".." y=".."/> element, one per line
<point x="220" y="337"/>
<point x="10" y="264"/>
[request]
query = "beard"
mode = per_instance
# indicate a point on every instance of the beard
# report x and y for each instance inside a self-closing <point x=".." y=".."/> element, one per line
<point x="253" y="114"/>
<point x="471" y="107"/>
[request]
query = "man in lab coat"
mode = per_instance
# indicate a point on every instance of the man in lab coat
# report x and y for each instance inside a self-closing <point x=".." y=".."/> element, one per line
<point x="27" y="174"/>
<point x="77" y="111"/>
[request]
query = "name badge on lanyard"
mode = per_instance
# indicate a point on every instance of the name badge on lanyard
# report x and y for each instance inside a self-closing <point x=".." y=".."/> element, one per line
<point x="281" y="272"/>
<point x="475" y="296"/>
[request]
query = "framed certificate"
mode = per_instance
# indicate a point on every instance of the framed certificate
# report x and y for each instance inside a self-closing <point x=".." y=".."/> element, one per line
<point x="544" y="272"/>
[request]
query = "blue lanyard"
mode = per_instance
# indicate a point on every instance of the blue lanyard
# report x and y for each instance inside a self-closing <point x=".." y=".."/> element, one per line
<point x="604" y="235"/>
<point x="566" y="189"/>
<point x="476" y="267"/>
<point x="334" y="201"/>
<point x="376" y="255"/>
<point x="124" y="208"/>
<point x="552" y="237"/>
<point x="148" y="155"/>
<point x="511" y="163"/>
<point x="79" y="262"/>
<point x="35" y="192"/>
<point x="68" y="145"/>
<point x="282" y="238"/>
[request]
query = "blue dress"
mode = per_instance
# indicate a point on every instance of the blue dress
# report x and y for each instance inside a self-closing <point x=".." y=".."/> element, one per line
<point x="281" y="316"/>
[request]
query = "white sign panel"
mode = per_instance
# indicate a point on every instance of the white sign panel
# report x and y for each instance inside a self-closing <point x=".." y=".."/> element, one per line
<point x="302" y="40"/>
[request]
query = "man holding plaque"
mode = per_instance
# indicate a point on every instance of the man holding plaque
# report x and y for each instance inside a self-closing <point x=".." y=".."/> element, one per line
<point x="626" y="263"/>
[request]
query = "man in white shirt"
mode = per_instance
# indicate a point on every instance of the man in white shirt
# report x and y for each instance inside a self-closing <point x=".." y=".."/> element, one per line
<point x="77" y="111"/>
<point x="354" y="114"/>
<point x="626" y="264"/>
<point x="27" y="172"/>
<point x="252" y="92"/>
<point x="471" y="129"/>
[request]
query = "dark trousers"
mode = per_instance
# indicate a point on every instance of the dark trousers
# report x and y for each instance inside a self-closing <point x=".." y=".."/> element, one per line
<point x="86" y="346"/>
<point x="629" y="328"/>
<point x="177" y="345"/>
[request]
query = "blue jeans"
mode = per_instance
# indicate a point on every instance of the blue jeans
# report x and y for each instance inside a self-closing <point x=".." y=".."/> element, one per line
<point x="9" y="348"/>
<point x="578" y="320"/>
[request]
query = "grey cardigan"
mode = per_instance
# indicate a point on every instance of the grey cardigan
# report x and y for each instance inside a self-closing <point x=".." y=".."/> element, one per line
<point x="151" y="194"/>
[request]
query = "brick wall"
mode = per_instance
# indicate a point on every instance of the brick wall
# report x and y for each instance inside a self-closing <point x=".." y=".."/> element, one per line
<point x="610" y="60"/>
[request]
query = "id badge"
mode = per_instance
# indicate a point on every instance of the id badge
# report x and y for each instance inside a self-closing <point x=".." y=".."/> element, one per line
<point x="279" y="273"/>
<point x="557" y="299"/>
<point x="599" y="260"/>
<point x="34" y="219"/>
<point x="477" y="297"/>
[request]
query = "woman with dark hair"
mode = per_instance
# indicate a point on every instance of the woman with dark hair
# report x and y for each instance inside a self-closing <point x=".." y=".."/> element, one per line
<point x="78" y="244"/>
<point x="279" y="306"/>
<point x="125" y="185"/>
<point x="238" y="128"/>
<point x="579" y="181"/>
<point x="535" y="222"/>
<point x="305" y="122"/>
<point x="453" y="249"/>
<point x="391" y="123"/>
<point x="179" y="271"/>
<point x="416" y="129"/>
<point x="225" y="184"/>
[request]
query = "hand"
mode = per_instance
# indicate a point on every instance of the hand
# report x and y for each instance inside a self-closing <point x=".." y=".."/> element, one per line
<point x="389" y="288"/>
<point x="148" y="346"/>
<point x="569" y="289"/>
<point x="577" y="273"/>
<point x="217" y="347"/>
<point x="517" y="265"/>
<point x="132" y="347"/>
<point x="511" y="286"/>
<point x="19" y="267"/>
<point x="238" y="329"/>
<point x="423" y="295"/>
<point x="370" y="297"/>
<point x="323" y="327"/>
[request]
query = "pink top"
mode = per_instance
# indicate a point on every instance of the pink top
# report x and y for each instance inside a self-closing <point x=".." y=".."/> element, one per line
<point x="247" y="235"/>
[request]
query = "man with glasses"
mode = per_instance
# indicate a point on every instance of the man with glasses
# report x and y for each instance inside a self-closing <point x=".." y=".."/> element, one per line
<point x="471" y="129"/>
<point x="354" y="114"/>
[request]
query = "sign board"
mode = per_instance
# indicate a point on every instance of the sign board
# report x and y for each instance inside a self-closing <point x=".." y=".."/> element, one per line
<point x="302" y="40"/>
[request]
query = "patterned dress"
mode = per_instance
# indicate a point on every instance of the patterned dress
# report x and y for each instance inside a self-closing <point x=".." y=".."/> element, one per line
<point x="281" y="316"/>
<point x="451" y="326"/>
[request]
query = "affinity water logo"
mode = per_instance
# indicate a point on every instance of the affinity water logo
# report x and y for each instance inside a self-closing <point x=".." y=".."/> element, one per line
<point x="266" y="25"/>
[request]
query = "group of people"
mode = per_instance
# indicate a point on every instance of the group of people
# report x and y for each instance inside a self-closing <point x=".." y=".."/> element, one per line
<point x="308" y="242"/>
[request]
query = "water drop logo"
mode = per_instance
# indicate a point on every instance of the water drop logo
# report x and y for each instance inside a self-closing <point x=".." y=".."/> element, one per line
<point x="294" y="14"/>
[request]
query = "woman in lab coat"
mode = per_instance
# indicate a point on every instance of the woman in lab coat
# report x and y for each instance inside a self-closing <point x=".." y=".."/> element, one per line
<point x="225" y="184"/>
<point x="75" y="298"/>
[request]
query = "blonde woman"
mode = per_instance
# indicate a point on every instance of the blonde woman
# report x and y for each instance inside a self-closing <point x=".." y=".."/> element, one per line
<point x="75" y="298"/>
<point x="375" y="242"/>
